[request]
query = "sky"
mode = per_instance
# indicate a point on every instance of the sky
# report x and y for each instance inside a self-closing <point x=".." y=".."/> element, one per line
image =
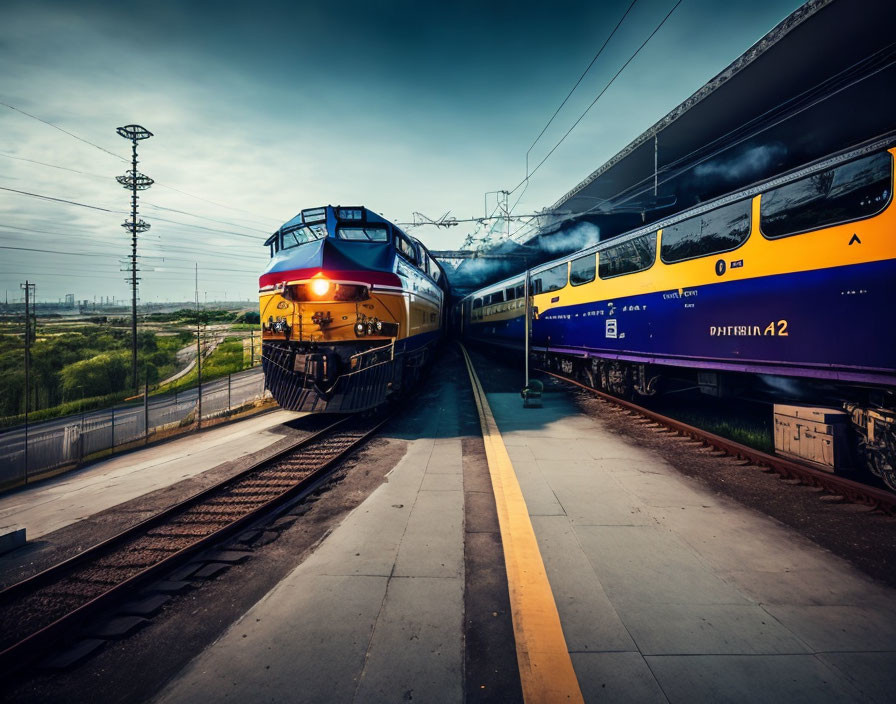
<point x="261" y="109"/>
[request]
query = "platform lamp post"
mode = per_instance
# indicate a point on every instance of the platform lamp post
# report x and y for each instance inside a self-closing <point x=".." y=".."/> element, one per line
<point x="134" y="181"/>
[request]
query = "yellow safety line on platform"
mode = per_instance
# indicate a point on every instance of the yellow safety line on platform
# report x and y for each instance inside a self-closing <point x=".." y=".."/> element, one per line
<point x="546" y="671"/>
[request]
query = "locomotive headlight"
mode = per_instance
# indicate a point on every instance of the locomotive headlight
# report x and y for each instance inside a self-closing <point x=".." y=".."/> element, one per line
<point x="320" y="287"/>
<point x="360" y="329"/>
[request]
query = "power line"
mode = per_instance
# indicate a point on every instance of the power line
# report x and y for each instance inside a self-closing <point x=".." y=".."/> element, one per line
<point x="572" y="90"/>
<point x="56" y="127"/>
<point x="55" y="251"/>
<point x="220" y="205"/>
<point x="81" y="139"/>
<point x="55" y="166"/>
<point x="604" y="90"/>
<point x="720" y="145"/>
<point x="60" y="200"/>
<point x="204" y="217"/>
<point x="107" y="210"/>
<point x="87" y="173"/>
<point x="152" y="244"/>
<point x="210" y="229"/>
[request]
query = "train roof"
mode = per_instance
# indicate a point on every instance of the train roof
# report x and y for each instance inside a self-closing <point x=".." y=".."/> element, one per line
<point x="888" y="142"/>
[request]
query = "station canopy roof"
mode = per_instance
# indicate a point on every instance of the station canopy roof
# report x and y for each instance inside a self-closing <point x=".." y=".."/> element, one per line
<point x="822" y="81"/>
<point x="819" y="82"/>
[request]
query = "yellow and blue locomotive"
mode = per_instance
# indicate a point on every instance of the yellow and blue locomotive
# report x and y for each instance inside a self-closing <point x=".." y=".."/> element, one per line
<point x="351" y="308"/>
<point x="787" y="284"/>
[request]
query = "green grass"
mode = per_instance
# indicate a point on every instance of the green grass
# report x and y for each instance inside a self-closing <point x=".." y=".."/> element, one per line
<point x="747" y="423"/>
<point x="228" y="358"/>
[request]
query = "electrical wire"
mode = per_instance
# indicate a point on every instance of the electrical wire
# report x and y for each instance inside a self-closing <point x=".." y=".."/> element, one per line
<point x="62" y="200"/>
<point x="56" y="127"/>
<point x="572" y="90"/>
<point x="725" y="145"/>
<point x="599" y="95"/>
<point x="86" y="173"/>
<point x="117" y="156"/>
<point x="124" y="212"/>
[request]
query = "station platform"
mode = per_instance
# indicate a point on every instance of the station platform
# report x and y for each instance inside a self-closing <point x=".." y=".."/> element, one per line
<point x="549" y="559"/>
<point x="56" y="503"/>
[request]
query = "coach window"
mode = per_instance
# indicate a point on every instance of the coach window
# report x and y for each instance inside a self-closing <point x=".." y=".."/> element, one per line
<point x="581" y="270"/>
<point x="510" y="293"/>
<point x="719" y="230"/>
<point x="521" y="290"/>
<point x="627" y="257"/>
<point x="552" y="279"/>
<point x="477" y="303"/>
<point x="845" y="193"/>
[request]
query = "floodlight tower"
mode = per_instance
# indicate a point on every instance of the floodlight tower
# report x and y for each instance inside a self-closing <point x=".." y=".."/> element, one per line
<point x="134" y="181"/>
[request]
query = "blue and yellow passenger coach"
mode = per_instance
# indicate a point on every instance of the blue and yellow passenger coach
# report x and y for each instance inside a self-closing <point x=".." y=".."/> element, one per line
<point x="789" y="284"/>
<point x="351" y="307"/>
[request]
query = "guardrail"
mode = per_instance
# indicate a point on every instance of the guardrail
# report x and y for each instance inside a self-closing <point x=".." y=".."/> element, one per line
<point x="44" y="448"/>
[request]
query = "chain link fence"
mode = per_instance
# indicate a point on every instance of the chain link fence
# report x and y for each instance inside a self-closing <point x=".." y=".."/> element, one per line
<point x="27" y="454"/>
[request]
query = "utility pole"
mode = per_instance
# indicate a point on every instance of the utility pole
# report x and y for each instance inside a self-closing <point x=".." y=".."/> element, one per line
<point x="197" y="285"/>
<point x="134" y="181"/>
<point x="527" y="322"/>
<point x="29" y="337"/>
<point x="199" y="376"/>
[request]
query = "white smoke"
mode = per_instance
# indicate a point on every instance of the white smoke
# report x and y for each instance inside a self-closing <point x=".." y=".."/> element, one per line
<point x="754" y="162"/>
<point x="579" y="236"/>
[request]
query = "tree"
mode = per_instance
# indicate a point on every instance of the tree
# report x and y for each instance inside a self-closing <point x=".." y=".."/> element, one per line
<point x="100" y="375"/>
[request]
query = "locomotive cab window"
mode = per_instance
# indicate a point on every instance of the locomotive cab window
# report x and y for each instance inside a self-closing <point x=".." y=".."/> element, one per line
<point x="852" y="191"/>
<point x="581" y="270"/>
<point x="404" y="246"/>
<point x="719" y="230"/>
<point x="302" y="235"/>
<point x="370" y="233"/>
<point x="273" y="242"/>
<point x="627" y="257"/>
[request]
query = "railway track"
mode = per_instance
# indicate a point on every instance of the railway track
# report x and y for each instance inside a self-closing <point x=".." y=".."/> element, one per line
<point x="46" y="609"/>
<point x="850" y="490"/>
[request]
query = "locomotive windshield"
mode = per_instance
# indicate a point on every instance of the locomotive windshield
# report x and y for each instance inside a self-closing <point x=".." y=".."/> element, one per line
<point x="303" y="234"/>
<point x="369" y="233"/>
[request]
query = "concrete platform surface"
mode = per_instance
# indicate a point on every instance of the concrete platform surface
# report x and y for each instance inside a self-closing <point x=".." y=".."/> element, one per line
<point x="375" y="614"/>
<point x="61" y="501"/>
<point x="669" y="592"/>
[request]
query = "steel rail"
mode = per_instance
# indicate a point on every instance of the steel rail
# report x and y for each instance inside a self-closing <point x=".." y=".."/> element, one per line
<point x="853" y="491"/>
<point x="26" y="650"/>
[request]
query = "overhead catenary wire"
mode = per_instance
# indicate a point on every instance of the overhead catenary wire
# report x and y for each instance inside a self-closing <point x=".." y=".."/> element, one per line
<point x="599" y="95"/>
<point x="572" y="90"/>
<point x="723" y="142"/>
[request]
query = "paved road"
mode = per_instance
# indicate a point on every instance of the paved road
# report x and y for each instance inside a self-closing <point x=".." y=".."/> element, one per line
<point x="63" y="440"/>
